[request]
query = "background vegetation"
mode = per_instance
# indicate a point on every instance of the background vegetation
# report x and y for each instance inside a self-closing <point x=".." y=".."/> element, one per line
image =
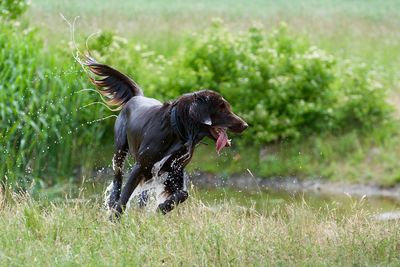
<point x="320" y="97"/>
<point x="320" y="92"/>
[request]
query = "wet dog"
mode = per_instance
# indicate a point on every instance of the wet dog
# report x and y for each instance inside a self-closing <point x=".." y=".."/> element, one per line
<point x="160" y="136"/>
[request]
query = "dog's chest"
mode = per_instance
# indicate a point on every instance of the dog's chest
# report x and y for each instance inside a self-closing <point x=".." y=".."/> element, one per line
<point x="152" y="193"/>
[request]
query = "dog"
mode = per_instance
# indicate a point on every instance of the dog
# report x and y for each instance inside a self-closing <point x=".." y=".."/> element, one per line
<point x="160" y="136"/>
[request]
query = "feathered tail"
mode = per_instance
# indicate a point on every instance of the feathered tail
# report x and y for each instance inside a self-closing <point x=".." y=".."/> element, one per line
<point x="112" y="84"/>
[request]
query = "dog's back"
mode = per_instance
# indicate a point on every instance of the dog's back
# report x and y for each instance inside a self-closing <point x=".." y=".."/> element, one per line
<point x="145" y="124"/>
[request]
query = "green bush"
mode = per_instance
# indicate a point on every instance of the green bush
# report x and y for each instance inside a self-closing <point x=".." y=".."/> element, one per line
<point x="283" y="86"/>
<point x="280" y="84"/>
<point x="12" y="9"/>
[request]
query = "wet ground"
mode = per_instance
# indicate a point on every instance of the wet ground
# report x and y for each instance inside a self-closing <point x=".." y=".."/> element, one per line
<point x="266" y="193"/>
<point x="261" y="194"/>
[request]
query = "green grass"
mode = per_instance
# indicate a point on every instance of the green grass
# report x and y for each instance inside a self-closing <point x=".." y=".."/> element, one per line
<point x="366" y="29"/>
<point x="74" y="232"/>
<point x="351" y="158"/>
<point x="350" y="29"/>
<point x="78" y="233"/>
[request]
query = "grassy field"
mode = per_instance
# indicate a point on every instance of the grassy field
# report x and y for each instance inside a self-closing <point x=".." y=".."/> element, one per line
<point x="78" y="233"/>
<point x="365" y="29"/>
<point x="45" y="229"/>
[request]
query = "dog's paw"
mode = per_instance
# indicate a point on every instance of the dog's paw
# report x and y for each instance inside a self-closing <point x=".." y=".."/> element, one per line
<point x="115" y="213"/>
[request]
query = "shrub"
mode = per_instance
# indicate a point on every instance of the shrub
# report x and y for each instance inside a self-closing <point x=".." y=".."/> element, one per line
<point x="281" y="85"/>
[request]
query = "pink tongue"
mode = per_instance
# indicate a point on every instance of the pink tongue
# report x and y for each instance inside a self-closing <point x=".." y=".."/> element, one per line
<point x="221" y="141"/>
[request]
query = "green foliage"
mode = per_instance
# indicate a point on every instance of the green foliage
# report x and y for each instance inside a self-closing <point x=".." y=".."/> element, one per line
<point x="42" y="122"/>
<point x="12" y="9"/>
<point x="281" y="85"/>
<point x="218" y="233"/>
<point x="105" y="44"/>
<point x="284" y="87"/>
<point x="361" y="97"/>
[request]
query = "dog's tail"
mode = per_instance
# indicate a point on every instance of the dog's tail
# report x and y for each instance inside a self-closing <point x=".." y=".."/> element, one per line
<point x="114" y="85"/>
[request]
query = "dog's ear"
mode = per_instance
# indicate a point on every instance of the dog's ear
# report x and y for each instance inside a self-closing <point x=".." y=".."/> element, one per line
<point x="200" y="112"/>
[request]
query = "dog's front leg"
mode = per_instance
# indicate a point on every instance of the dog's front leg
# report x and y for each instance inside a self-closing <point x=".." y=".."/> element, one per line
<point x="175" y="184"/>
<point x="172" y="201"/>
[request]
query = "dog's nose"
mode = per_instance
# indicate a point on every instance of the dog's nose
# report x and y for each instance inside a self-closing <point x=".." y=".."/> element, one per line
<point x="242" y="126"/>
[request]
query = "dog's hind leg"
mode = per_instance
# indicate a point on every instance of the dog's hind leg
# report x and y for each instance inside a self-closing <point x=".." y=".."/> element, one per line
<point x="121" y="150"/>
<point x="118" y="163"/>
<point x="134" y="178"/>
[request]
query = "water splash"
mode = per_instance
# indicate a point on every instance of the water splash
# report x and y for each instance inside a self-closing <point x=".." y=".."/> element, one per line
<point x="102" y="119"/>
<point x="97" y="102"/>
<point x="101" y="96"/>
<point x="153" y="189"/>
<point x="77" y="55"/>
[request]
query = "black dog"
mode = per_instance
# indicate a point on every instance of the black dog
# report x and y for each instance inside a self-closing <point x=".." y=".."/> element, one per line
<point x="152" y="131"/>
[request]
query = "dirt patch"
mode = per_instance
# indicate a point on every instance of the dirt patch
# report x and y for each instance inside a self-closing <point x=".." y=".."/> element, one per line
<point x="292" y="184"/>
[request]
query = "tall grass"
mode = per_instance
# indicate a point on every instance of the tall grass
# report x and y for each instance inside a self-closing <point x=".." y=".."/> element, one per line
<point x="43" y="125"/>
<point x="196" y="234"/>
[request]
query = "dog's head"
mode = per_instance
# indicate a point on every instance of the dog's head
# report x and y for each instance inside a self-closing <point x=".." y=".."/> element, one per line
<point x="214" y="116"/>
